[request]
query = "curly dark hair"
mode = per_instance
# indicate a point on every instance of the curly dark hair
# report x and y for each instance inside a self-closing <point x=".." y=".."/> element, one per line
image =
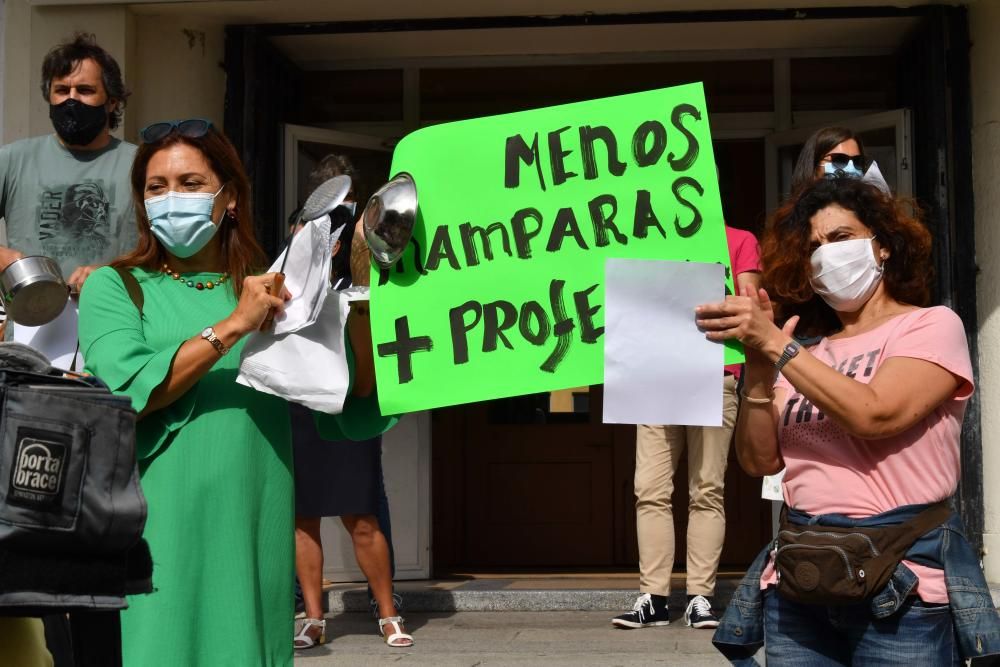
<point x="816" y="147"/>
<point x="785" y="249"/>
<point x="63" y="59"/>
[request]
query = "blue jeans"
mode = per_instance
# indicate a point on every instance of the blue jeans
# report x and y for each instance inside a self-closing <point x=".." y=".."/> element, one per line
<point x="821" y="636"/>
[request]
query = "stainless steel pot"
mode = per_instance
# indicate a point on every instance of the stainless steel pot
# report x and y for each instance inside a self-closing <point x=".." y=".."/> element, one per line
<point x="389" y="218"/>
<point x="33" y="290"/>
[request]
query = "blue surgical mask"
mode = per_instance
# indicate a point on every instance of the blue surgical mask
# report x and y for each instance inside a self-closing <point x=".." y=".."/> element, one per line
<point x="182" y="221"/>
<point x="849" y="171"/>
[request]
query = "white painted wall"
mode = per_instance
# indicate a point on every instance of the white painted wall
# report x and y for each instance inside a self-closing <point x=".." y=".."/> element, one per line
<point x="984" y="21"/>
<point x="177" y="71"/>
<point x="17" y="75"/>
<point x="48" y="27"/>
<point x="173" y="65"/>
<point x="3" y="57"/>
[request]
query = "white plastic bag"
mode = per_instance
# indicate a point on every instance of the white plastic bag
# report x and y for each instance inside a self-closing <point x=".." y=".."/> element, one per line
<point x="307" y="366"/>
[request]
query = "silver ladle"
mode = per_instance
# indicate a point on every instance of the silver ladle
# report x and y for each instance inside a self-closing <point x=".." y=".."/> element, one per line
<point x="327" y="196"/>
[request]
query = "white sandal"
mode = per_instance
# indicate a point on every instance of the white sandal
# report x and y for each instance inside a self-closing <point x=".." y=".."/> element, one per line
<point x="303" y="639"/>
<point x="398" y="638"/>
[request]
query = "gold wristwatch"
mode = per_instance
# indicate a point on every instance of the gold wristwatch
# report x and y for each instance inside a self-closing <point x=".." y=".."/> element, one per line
<point x="209" y="335"/>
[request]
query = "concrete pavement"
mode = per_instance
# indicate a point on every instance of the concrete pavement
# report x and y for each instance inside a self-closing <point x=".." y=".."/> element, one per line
<point x="487" y="638"/>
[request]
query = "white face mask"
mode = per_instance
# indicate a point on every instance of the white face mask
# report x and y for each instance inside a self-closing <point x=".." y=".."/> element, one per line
<point x="845" y="274"/>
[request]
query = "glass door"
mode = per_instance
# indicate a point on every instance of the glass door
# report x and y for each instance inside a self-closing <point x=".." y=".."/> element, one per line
<point x="304" y="147"/>
<point x="405" y="448"/>
<point x="886" y="137"/>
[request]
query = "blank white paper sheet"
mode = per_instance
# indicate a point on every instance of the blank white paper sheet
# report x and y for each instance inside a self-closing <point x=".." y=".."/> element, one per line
<point x="658" y="366"/>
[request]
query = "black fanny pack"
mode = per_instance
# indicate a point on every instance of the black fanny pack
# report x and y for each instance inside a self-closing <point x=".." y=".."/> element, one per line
<point x="836" y="566"/>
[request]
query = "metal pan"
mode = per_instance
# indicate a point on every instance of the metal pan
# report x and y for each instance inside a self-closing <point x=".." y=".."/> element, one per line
<point x="33" y="290"/>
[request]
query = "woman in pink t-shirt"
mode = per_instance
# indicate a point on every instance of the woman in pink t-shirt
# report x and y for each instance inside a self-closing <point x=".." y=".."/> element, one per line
<point x="864" y="421"/>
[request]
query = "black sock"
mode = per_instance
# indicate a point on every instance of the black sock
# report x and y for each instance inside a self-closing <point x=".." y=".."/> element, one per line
<point x="659" y="601"/>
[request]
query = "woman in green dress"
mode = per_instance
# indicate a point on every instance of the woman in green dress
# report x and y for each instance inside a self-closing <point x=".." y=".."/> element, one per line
<point x="215" y="456"/>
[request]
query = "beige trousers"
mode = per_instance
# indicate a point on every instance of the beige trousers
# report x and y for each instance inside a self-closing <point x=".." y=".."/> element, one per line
<point x="658" y="451"/>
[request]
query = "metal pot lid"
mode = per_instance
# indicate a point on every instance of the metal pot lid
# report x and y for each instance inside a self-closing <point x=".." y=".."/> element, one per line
<point x="389" y="219"/>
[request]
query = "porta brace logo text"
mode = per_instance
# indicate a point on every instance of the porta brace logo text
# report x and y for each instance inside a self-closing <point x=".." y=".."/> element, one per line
<point x="39" y="467"/>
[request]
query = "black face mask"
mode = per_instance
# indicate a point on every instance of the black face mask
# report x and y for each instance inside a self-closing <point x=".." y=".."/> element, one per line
<point x="76" y="123"/>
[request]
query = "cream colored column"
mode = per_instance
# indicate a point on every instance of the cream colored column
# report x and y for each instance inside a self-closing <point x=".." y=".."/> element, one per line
<point x="177" y="71"/>
<point x="16" y="69"/>
<point x="984" y="21"/>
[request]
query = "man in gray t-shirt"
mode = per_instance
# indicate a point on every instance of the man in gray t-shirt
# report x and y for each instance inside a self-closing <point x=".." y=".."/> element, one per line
<point x="67" y="195"/>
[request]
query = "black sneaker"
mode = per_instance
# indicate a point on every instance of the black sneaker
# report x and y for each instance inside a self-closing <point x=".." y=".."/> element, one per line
<point x="699" y="613"/>
<point x="648" y="611"/>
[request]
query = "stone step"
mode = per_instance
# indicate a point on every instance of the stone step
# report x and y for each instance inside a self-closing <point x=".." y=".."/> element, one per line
<point x="514" y="595"/>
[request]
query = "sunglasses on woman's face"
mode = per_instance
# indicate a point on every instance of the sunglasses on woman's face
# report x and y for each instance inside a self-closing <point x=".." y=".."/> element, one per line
<point x="841" y="160"/>
<point x="193" y="128"/>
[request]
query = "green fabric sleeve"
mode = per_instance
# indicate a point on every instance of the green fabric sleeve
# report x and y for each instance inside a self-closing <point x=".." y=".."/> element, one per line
<point x="115" y="350"/>
<point x="361" y="418"/>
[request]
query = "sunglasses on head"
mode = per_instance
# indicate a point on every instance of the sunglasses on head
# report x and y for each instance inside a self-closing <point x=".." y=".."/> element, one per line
<point x="841" y="160"/>
<point x="193" y="128"/>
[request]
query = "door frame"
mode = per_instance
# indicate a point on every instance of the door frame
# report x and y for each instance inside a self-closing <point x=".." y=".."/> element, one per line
<point x="291" y="136"/>
<point x="898" y="119"/>
<point x="406" y="458"/>
<point x="242" y="123"/>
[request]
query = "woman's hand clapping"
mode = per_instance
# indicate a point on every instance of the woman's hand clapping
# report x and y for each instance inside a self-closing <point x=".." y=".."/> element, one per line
<point x="748" y="318"/>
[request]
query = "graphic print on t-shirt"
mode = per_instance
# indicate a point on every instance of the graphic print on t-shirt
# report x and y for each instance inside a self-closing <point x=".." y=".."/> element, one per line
<point x="74" y="220"/>
<point x="799" y="410"/>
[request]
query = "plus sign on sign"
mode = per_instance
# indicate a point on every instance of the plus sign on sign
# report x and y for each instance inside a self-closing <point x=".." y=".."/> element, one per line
<point x="500" y="292"/>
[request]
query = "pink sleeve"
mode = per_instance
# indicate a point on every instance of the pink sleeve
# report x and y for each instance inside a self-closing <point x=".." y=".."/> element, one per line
<point x="781" y="383"/>
<point x="744" y="252"/>
<point x="938" y="336"/>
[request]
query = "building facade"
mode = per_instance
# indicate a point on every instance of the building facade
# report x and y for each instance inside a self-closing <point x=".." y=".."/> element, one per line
<point x="539" y="482"/>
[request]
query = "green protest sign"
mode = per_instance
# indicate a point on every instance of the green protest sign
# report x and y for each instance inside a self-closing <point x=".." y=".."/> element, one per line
<point x="500" y="291"/>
